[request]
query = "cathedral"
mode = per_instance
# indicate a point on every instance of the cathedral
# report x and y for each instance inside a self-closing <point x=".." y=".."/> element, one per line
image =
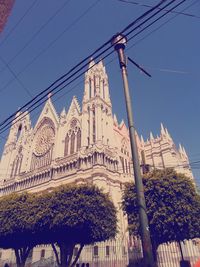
<point x="84" y="144"/>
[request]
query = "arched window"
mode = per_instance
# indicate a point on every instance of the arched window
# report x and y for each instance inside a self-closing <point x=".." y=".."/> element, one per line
<point x="66" y="145"/>
<point x="16" y="168"/>
<point x="42" y="254"/>
<point x="72" y="143"/>
<point x="107" y="251"/>
<point x="94" y="85"/>
<point x="126" y="166"/>
<point x="78" y="139"/>
<point x="122" y="163"/>
<point x="12" y="170"/>
<point x="93" y="126"/>
<point x="96" y="251"/>
<point x="19" y="131"/>
<point x="20" y="163"/>
<point x="103" y="89"/>
<point x="90" y="88"/>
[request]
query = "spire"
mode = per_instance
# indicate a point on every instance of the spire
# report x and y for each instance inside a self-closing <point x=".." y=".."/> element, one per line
<point x="184" y="152"/>
<point x="142" y="140"/>
<point x="91" y="63"/>
<point x="115" y="120"/>
<point x="96" y="82"/>
<point x="49" y="95"/>
<point x="180" y="148"/>
<point x="121" y="123"/>
<point x="63" y="113"/>
<point x="100" y="64"/>
<point x="162" y="129"/>
<point x="167" y="133"/>
<point x="151" y="136"/>
<point x="137" y="139"/>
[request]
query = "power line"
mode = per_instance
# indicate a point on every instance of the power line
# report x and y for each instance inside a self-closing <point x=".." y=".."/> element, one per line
<point x="51" y="43"/>
<point x="64" y="81"/>
<point x="84" y="60"/>
<point x="173" y="12"/>
<point x="97" y="50"/>
<point x="180" y="3"/>
<point x="18" y="22"/>
<point x="17" y="78"/>
<point x="160" y="26"/>
<point x="87" y="63"/>
<point x="59" y="97"/>
<point x="37" y="32"/>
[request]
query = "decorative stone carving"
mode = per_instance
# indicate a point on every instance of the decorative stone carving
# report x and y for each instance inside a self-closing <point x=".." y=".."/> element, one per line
<point x="44" y="140"/>
<point x="73" y="123"/>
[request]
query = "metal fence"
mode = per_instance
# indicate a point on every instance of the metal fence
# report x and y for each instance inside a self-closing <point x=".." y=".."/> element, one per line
<point x="169" y="255"/>
<point x="115" y="254"/>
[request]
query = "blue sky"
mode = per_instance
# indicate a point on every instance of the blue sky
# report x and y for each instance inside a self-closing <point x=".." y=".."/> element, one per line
<point x="170" y="54"/>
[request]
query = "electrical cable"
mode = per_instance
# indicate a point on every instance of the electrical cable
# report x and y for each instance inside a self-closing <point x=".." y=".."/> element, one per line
<point x="18" y="22"/>
<point x="37" y="105"/>
<point x="157" y="18"/>
<point x="37" y="32"/>
<point x="160" y="26"/>
<point x="33" y="107"/>
<point x="108" y="42"/>
<point x="127" y="34"/>
<point x="52" y="42"/>
<point x="17" y="78"/>
<point x="96" y="57"/>
<point x="174" y="12"/>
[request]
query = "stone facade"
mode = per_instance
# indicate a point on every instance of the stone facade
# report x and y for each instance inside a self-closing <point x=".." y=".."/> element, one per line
<point x="83" y="145"/>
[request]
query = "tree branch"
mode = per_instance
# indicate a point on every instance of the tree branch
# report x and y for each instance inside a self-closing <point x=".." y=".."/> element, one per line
<point x="20" y="253"/>
<point x="78" y="255"/>
<point x="17" y="256"/>
<point x="70" y="254"/>
<point x="27" y="250"/>
<point x="56" y="254"/>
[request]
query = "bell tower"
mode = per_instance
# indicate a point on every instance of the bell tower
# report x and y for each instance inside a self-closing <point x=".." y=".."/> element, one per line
<point x="97" y="119"/>
<point x="15" y="148"/>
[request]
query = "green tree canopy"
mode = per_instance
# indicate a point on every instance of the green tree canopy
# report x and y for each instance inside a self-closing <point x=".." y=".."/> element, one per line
<point x="64" y="217"/>
<point x="17" y="224"/>
<point x="173" y="207"/>
<point x="71" y="215"/>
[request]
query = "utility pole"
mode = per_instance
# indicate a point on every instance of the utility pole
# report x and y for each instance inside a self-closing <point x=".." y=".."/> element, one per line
<point x="119" y="41"/>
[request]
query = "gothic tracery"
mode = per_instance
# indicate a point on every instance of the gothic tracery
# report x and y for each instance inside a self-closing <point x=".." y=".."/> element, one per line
<point x="43" y="145"/>
<point x="73" y="138"/>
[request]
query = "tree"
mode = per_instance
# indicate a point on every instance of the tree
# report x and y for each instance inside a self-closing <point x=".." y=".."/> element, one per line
<point x="64" y="217"/>
<point x="71" y="215"/>
<point x="173" y="207"/>
<point x="17" y="224"/>
<point x="198" y="190"/>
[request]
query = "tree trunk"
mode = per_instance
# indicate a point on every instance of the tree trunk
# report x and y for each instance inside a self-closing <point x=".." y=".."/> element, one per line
<point x="154" y="250"/>
<point x="64" y="258"/>
<point x="21" y="255"/>
<point x="66" y="254"/>
<point x="77" y="256"/>
<point x="63" y="255"/>
<point x="181" y="251"/>
<point x="19" y="261"/>
<point x="56" y="254"/>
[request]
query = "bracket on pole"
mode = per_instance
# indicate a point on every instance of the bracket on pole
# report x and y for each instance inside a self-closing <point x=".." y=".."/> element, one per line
<point x="139" y="67"/>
